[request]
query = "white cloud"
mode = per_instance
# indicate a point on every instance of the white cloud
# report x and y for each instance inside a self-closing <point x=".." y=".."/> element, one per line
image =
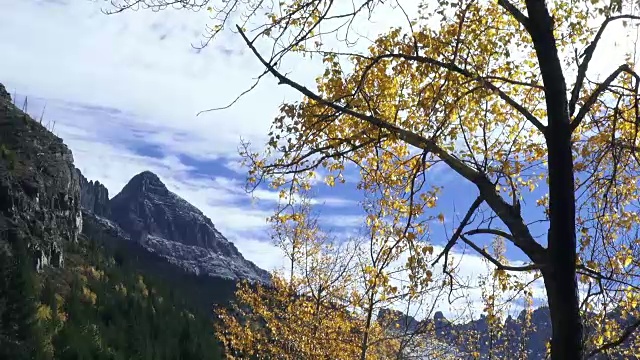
<point x="274" y="196"/>
<point x="76" y="53"/>
<point x="262" y="253"/>
<point x="342" y="220"/>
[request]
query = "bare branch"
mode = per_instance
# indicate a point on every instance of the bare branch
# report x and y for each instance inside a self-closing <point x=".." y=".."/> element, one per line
<point x="497" y="263"/>
<point x="467" y="217"/>
<point x="588" y="55"/>
<point x="507" y="213"/>
<point x="490" y="231"/>
<point x="596" y="93"/>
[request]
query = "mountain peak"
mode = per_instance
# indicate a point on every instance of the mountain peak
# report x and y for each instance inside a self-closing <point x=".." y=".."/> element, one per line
<point x="167" y="224"/>
<point x="94" y="196"/>
<point x="149" y="175"/>
<point x="145" y="182"/>
<point x="4" y="94"/>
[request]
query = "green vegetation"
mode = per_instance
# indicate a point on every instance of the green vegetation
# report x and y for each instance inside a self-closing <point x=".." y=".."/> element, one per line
<point x="8" y="155"/>
<point x="95" y="308"/>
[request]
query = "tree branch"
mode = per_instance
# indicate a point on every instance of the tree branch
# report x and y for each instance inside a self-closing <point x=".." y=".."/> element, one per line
<point x="490" y="231"/>
<point x="458" y="231"/>
<point x="515" y="12"/>
<point x="596" y="93"/>
<point x="588" y="55"/>
<point x="495" y="262"/>
<point x="507" y="213"/>
<point x="627" y="332"/>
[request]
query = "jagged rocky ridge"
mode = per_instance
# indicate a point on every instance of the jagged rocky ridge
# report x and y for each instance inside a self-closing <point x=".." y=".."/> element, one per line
<point x="94" y="197"/>
<point x="43" y="198"/>
<point x="513" y="338"/>
<point x="466" y="338"/>
<point x="146" y="212"/>
<point x="39" y="189"/>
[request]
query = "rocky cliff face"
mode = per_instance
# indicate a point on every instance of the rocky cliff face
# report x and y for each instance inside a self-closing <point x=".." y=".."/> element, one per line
<point x="39" y="188"/>
<point x="395" y="319"/>
<point x="94" y="197"/>
<point x="146" y="211"/>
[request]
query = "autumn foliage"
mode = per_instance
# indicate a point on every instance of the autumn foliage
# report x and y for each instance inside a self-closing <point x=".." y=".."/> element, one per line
<point x="503" y="94"/>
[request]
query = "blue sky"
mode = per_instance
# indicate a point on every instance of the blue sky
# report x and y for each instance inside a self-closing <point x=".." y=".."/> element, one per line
<point x="123" y="92"/>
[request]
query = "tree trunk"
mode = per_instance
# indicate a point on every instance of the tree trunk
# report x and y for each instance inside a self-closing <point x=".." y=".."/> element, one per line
<point x="560" y="271"/>
<point x="365" y="338"/>
<point x="560" y="274"/>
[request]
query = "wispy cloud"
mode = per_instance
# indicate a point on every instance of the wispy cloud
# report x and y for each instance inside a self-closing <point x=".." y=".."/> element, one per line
<point x="118" y="63"/>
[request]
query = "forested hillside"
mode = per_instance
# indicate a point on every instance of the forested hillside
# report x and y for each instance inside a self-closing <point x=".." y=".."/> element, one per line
<point x="97" y="307"/>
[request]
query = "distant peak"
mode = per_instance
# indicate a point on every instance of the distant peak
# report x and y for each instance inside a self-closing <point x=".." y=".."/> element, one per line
<point x="145" y="182"/>
<point x="147" y="175"/>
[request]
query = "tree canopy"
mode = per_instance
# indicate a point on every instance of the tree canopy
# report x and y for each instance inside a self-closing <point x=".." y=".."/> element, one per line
<point x="500" y="93"/>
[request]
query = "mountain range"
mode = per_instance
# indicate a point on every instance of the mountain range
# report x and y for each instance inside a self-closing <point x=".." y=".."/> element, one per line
<point x="48" y="204"/>
<point x="46" y="201"/>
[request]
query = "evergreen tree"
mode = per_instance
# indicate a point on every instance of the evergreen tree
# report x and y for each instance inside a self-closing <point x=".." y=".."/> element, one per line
<point x="21" y="334"/>
<point x="94" y="309"/>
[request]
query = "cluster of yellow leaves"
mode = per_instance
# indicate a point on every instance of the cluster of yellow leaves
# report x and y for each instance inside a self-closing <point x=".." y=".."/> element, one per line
<point x="90" y="271"/>
<point x="89" y="296"/>
<point x="52" y="318"/>
<point x="142" y="287"/>
<point x="43" y="312"/>
<point x="431" y="80"/>
<point x="60" y="314"/>
<point x="608" y="216"/>
<point x="326" y="304"/>
<point x="277" y="324"/>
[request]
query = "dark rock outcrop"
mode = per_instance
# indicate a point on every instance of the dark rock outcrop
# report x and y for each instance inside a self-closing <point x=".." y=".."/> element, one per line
<point x="39" y="188"/>
<point x="509" y="342"/>
<point x="94" y="197"/>
<point x="4" y="94"/>
<point x="460" y="338"/>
